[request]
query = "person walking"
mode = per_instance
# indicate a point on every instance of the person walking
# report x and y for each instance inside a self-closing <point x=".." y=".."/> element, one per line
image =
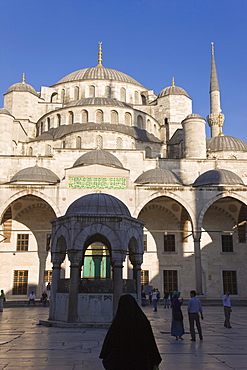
<point x="227" y="309"/>
<point x="129" y="342"/>
<point x="194" y="308"/>
<point x="177" y="328"/>
<point x="2" y="299"/>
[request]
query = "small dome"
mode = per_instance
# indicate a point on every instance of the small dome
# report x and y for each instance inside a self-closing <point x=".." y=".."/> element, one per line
<point x="216" y="177"/>
<point x="5" y="111"/>
<point x="98" y="102"/>
<point x="225" y="143"/>
<point x="98" y="156"/>
<point x="22" y="86"/>
<point x="194" y="115"/>
<point x="158" y="176"/>
<point x="98" y="73"/>
<point x="98" y="204"/>
<point x="173" y="90"/>
<point x="35" y="174"/>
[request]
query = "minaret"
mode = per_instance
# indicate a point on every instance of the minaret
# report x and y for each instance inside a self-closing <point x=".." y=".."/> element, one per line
<point x="215" y="118"/>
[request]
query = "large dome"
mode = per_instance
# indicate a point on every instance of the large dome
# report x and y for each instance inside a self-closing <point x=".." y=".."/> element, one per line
<point x="225" y="143"/>
<point x="98" y="73"/>
<point x="158" y="176"/>
<point x="172" y="90"/>
<point x="98" y="156"/>
<point x="35" y="174"/>
<point x="216" y="177"/>
<point x="98" y="102"/>
<point x="98" y="204"/>
<point x="22" y="87"/>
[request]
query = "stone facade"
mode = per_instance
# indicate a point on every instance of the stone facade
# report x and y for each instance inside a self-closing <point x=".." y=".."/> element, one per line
<point x="191" y="240"/>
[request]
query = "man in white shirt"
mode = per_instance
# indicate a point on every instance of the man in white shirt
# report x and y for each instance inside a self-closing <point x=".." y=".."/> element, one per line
<point x="227" y="309"/>
<point x="32" y="298"/>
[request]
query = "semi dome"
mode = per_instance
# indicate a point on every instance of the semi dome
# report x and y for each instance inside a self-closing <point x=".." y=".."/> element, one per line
<point x="158" y="176"/>
<point x="99" y="102"/>
<point x="98" y="204"/>
<point x="172" y="90"/>
<point x="22" y="87"/>
<point x="216" y="177"/>
<point x="35" y="174"/>
<point x="5" y="111"/>
<point x="98" y="73"/>
<point x="226" y="143"/>
<point x="98" y="156"/>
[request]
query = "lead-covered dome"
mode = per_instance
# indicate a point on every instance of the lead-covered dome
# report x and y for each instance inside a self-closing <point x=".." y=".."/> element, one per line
<point x="98" y="102"/>
<point x="98" y="73"/>
<point x="35" y="174"/>
<point x="225" y="143"/>
<point x="158" y="176"/>
<point x="98" y="156"/>
<point x="22" y="87"/>
<point x="216" y="177"/>
<point x="98" y="204"/>
<point x="173" y="90"/>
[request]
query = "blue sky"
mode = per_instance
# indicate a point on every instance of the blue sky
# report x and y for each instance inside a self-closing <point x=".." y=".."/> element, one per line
<point x="150" y="40"/>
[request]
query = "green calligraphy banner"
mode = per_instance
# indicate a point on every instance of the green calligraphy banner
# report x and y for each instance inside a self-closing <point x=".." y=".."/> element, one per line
<point x="97" y="183"/>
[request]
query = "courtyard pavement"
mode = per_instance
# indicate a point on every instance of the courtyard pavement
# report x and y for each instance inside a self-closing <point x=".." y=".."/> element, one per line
<point x="24" y="343"/>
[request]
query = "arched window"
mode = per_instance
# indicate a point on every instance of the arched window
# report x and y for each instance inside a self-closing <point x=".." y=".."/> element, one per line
<point x="41" y="127"/>
<point x="114" y="117"/>
<point x="58" y="120"/>
<point x="128" y="119"/>
<point x="96" y="262"/>
<point x="107" y="92"/>
<point x="76" y="93"/>
<point x="63" y="144"/>
<point x="139" y="121"/>
<point x="136" y="97"/>
<point x="71" y="118"/>
<point x="99" y="142"/>
<point x="84" y="116"/>
<point x="48" y="123"/>
<point x="99" y="116"/>
<point x="119" y="143"/>
<point x="48" y="150"/>
<point x="30" y="151"/>
<point x="78" y="142"/>
<point x="144" y="100"/>
<point x="155" y="130"/>
<point x="63" y="96"/>
<point x="54" y="97"/>
<point x="123" y="94"/>
<point x="148" y="152"/>
<point x="148" y="125"/>
<point x="91" y="91"/>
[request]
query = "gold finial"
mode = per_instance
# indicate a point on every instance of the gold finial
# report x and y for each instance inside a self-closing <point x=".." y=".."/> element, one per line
<point x="212" y="47"/>
<point x="23" y="78"/>
<point x="173" y="81"/>
<point x="100" y="54"/>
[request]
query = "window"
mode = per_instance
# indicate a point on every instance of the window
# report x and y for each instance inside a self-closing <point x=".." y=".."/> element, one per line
<point x="99" y="142"/>
<point x="76" y="93"/>
<point x="145" y="244"/>
<point x="128" y="119"/>
<point x="91" y="91"/>
<point x="136" y="97"/>
<point x="30" y="151"/>
<point x="62" y="96"/>
<point x="119" y="143"/>
<point x="99" y="116"/>
<point x="170" y="280"/>
<point x="139" y="121"/>
<point x="20" y="282"/>
<point x="144" y="278"/>
<point x="53" y="97"/>
<point x="230" y="282"/>
<point x="78" y="142"/>
<point x="48" y="150"/>
<point x="148" y="152"/>
<point x="47" y="276"/>
<point x="227" y="243"/>
<point x="22" y="242"/>
<point x="114" y="117"/>
<point x="107" y="92"/>
<point x="48" y="123"/>
<point x="144" y="101"/>
<point x="71" y="118"/>
<point x="58" y="120"/>
<point x="123" y="94"/>
<point x="169" y="243"/>
<point x="84" y="116"/>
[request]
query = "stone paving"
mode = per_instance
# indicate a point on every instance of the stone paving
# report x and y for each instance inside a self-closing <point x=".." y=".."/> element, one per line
<point x="24" y="343"/>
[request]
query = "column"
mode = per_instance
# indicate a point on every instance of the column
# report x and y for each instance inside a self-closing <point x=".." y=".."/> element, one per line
<point x="117" y="284"/>
<point x="137" y="278"/>
<point x="198" y="263"/>
<point x="57" y="259"/>
<point x="75" y="258"/>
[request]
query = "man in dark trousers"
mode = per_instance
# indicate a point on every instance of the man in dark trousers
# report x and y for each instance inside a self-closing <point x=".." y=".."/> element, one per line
<point x="194" y="308"/>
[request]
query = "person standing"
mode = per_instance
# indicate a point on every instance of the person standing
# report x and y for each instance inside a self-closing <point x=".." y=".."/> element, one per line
<point x="155" y="299"/>
<point x="44" y="298"/>
<point x="143" y="298"/>
<point x="129" y="342"/>
<point x="166" y="299"/>
<point x="227" y="309"/>
<point x="2" y="299"/>
<point x="194" y="308"/>
<point x="177" y="328"/>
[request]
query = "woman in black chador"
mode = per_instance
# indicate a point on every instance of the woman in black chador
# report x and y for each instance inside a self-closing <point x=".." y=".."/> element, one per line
<point x="129" y="343"/>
